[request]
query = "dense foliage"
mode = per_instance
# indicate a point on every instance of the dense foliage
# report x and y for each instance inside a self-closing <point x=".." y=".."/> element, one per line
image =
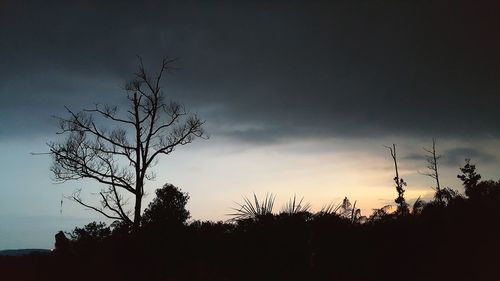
<point x="453" y="237"/>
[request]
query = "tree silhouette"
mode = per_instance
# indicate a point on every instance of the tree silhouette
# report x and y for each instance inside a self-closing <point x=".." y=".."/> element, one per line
<point x="93" y="231"/>
<point x="432" y="165"/>
<point x="469" y="178"/>
<point x="168" y="208"/>
<point x="121" y="158"/>
<point x="400" y="183"/>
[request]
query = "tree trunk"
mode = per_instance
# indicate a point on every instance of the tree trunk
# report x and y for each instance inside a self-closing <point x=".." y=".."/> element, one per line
<point x="137" y="210"/>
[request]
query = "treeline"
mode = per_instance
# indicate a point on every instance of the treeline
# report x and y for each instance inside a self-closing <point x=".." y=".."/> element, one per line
<point x="452" y="237"/>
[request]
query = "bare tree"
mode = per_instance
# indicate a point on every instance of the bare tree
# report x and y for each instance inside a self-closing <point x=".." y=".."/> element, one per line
<point x="432" y="165"/>
<point x="400" y="183"/>
<point x="121" y="157"/>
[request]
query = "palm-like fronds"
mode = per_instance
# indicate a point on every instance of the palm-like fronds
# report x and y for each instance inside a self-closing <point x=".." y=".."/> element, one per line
<point x="418" y="206"/>
<point x="294" y="206"/>
<point x="330" y="209"/>
<point x="343" y="209"/>
<point x="255" y="209"/>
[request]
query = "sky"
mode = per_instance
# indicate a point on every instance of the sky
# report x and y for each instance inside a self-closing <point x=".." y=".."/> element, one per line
<point x="299" y="97"/>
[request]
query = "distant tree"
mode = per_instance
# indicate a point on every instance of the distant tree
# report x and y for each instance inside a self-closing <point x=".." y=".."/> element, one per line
<point x="168" y="208"/>
<point x="121" y="158"/>
<point x="400" y="184"/>
<point x="446" y="195"/>
<point x="94" y="231"/>
<point x="490" y="189"/>
<point x="86" y="240"/>
<point x="469" y="178"/>
<point x="433" y="172"/>
<point x="62" y="244"/>
<point x="380" y="214"/>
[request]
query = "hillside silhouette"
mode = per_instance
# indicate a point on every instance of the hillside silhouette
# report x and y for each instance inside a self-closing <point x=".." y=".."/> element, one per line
<point x="452" y="237"/>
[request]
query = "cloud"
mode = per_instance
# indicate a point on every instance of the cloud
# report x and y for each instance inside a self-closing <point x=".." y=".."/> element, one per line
<point x="456" y="156"/>
<point x="332" y="68"/>
<point x="415" y="157"/>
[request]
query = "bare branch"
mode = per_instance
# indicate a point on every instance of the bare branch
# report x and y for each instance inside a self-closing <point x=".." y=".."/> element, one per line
<point x="76" y="197"/>
<point x="108" y="112"/>
<point x="432" y="159"/>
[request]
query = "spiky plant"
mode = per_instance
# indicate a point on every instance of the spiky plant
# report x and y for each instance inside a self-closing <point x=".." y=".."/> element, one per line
<point x="253" y="210"/>
<point x="343" y="209"/>
<point x="330" y="209"/>
<point x="294" y="207"/>
<point x="418" y="206"/>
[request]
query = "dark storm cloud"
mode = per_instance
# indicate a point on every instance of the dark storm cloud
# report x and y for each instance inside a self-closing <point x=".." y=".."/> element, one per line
<point x="270" y="69"/>
<point x="455" y="157"/>
<point x="416" y="157"/>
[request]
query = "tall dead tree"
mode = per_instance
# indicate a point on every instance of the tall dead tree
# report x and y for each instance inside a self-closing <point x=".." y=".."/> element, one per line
<point x="121" y="156"/>
<point x="400" y="183"/>
<point x="432" y="165"/>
